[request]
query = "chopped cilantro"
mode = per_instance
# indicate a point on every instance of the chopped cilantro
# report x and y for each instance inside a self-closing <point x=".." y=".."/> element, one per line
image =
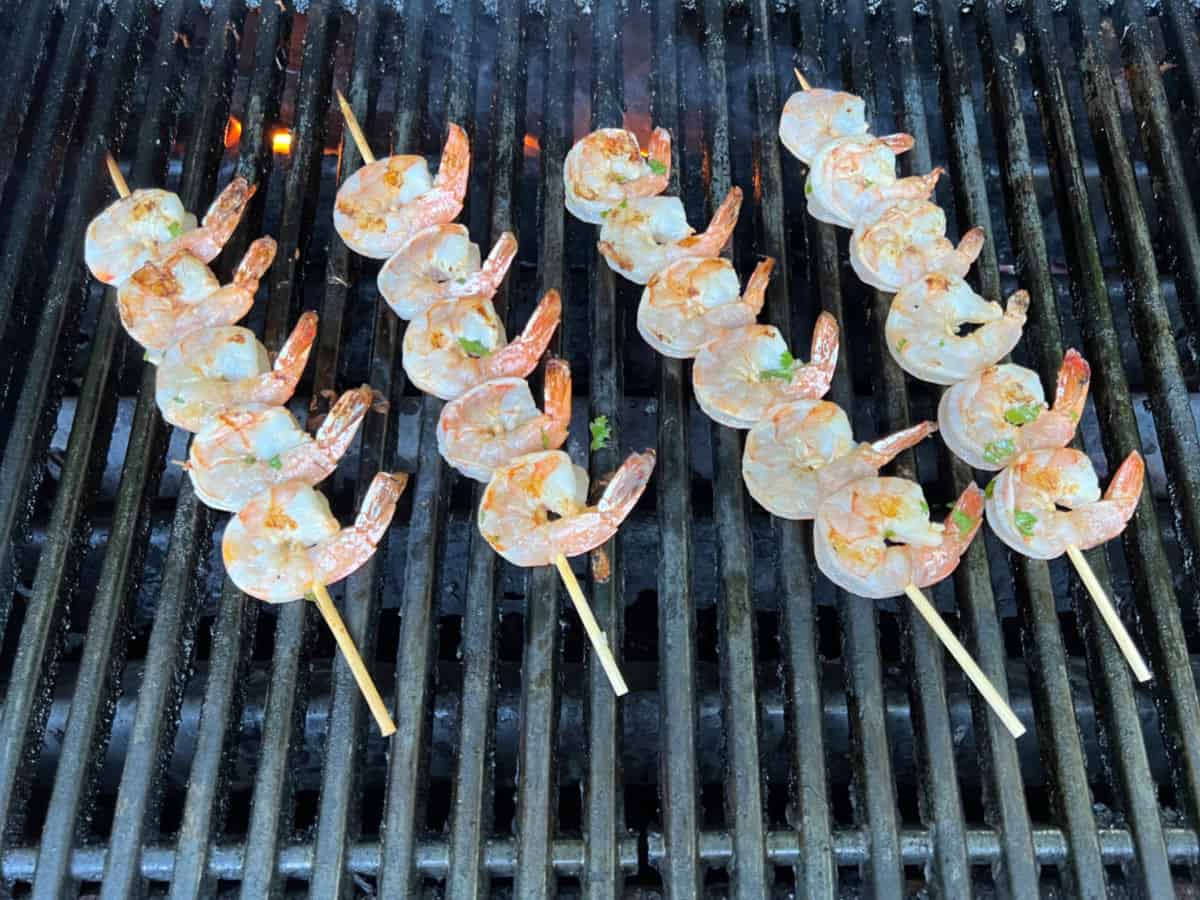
<point x="996" y="452"/>
<point x="624" y="204"/>
<point x="1026" y="522"/>
<point x="275" y="462"/>
<point x="474" y="347"/>
<point x="889" y="535"/>
<point x="656" y="167"/>
<point x="178" y="399"/>
<point x="175" y="229"/>
<point x="962" y="521"/>
<point x="990" y="489"/>
<point x="924" y="508"/>
<point x="808" y="189"/>
<point x="787" y="365"/>
<point x="1022" y="413"/>
<point x="942" y="342"/>
<point x="601" y="432"/>
<point x="604" y="213"/>
<point x="250" y="459"/>
<point x="460" y="280"/>
<point x="901" y="344"/>
<point x="545" y="441"/>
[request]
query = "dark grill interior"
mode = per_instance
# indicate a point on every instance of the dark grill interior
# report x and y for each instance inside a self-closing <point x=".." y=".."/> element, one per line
<point x="166" y="735"/>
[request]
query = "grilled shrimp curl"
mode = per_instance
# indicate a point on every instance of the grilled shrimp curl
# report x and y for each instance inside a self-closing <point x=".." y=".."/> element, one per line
<point x="643" y="236"/>
<point x="803" y="450"/>
<point x="497" y="421"/>
<point x="746" y="371"/>
<point x="995" y="416"/>
<point x="212" y="369"/>
<point x="1023" y="502"/>
<point x="152" y="224"/>
<point x="458" y="344"/>
<point x="851" y="176"/>
<point x="692" y="301"/>
<point x="814" y="117"/>
<point x="515" y="512"/>
<point x="163" y="301"/>
<point x="243" y="450"/>
<point x="286" y="538"/>
<point x="607" y="166"/>
<point x="897" y="243"/>
<point x="873" y="537"/>
<point x="441" y="263"/>
<point x="386" y="202"/>
<point x="923" y="324"/>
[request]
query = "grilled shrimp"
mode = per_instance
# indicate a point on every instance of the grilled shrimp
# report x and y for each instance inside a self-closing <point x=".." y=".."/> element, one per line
<point x="514" y="514"/>
<point x="897" y="243"/>
<point x="151" y="224"/>
<point x="1023" y="502"/>
<point x="215" y="368"/>
<point x="497" y="421"/>
<point x="244" y="450"/>
<point x="441" y="263"/>
<point x="645" y="235"/>
<point x="873" y="536"/>
<point x="692" y="301"/>
<point x="386" y="202"/>
<point x="163" y="301"/>
<point x="803" y="450"/>
<point x="286" y="538"/>
<point x="455" y="345"/>
<point x="607" y="166"/>
<point x="1001" y="413"/>
<point x="923" y="325"/>
<point x="814" y="117"/>
<point x="744" y="372"/>
<point x="851" y="175"/>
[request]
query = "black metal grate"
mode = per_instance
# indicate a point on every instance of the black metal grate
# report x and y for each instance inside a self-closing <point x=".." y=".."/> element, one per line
<point x="162" y="734"/>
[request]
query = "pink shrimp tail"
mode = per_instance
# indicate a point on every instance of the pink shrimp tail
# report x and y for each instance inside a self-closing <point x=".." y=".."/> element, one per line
<point x="626" y="487"/>
<point x="971" y="245"/>
<point x="659" y="150"/>
<point x="898" y="143"/>
<point x="293" y="356"/>
<point x="220" y="221"/>
<point x="341" y="425"/>
<point x="813" y="380"/>
<point x="932" y="564"/>
<point x="256" y="261"/>
<point x="724" y="220"/>
<point x="1071" y="391"/>
<point x="521" y="357"/>
<point x="455" y="167"/>
<point x="1017" y="306"/>
<point x="916" y="187"/>
<point x="379" y="505"/>
<point x="888" y="448"/>
<point x="557" y="401"/>
<point x="496" y="266"/>
<point x="756" y="287"/>
<point x="1125" y="489"/>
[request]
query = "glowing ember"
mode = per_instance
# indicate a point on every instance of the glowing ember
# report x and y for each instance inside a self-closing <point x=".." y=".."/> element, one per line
<point x="532" y="147"/>
<point x="233" y="132"/>
<point x="281" y="141"/>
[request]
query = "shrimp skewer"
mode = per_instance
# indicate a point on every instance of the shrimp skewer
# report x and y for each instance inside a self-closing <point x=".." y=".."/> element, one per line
<point x="852" y="175"/>
<point x="895" y="244"/>
<point x="606" y="167"/>
<point x="873" y="538"/>
<point x="1023" y="508"/>
<point x="812" y="117"/>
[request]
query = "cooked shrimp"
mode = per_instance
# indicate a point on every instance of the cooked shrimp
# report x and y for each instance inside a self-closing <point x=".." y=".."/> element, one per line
<point x="692" y="301"/>
<point x="1001" y="413"/>
<point x="498" y="421"/>
<point x="1023" y="502"/>
<point x="151" y="224"/>
<point x="455" y="345"/>
<point x="243" y="450"/>
<point x="803" y="450"/>
<point x="744" y="372"/>
<point x="873" y="536"/>
<point x="286" y="538"/>
<point x="814" y="117"/>
<point x="514" y="514"/>
<point x="850" y="176"/>
<point x="607" y="166"/>
<point x="643" y="236"/>
<point x="441" y="263"/>
<point x="386" y="202"/>
<point x="922" y="328"/>
<point x="897" y="243"/>
<point x="163" y="301"/>
<point x="215" y="368"/>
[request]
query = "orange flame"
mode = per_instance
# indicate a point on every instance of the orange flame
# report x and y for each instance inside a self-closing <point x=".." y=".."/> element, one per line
<point x="233" y="132"/>
<point x="532" y="146"/>
<point x="281" y="141"/>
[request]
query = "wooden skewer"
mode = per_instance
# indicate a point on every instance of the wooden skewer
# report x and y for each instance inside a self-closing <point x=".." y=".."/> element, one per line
<point x="998" y="704"/>
<point x="346" y="643"/>
<point x="1140" y="670"/>
<point x="356" y="132"/>
<point x="592" y="627"/>
<point x="804" y="85"/>
<point x="114" y="172"/>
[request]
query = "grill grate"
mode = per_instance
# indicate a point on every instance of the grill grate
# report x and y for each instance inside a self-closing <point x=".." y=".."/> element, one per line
<point x="781" y="737"/>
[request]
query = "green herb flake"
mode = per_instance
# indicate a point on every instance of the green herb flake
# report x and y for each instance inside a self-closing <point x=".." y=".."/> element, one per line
<point x="545" y="441"/>
<point x="901" y="344"/>
<point x="275" y="462"/>
<point x="1026" y="522"/>
<point x="474" y="347"/>
<point x="250" y="460"/>
<point x="656" y="167"/>
<point x="604" y="213"/>
<point x="624" y="204"/>
<point x="175" y="229"/>
<point x="1022" y="413"/>
<point x="787" y="366"/>
<point x="924" y="508"/>
<point x="889" y="535"/>
<point x="962" y="521"/>
<point x="996" y="452"/>
<point x="601" y="432"/>
<point x="808" y="189"/>
<point x="460" y="280"/>
<point x="178" y="399"/>
<point x="990" y="489"/>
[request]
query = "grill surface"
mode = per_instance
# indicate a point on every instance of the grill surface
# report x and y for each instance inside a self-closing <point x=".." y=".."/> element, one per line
<point x="162" y="734"/>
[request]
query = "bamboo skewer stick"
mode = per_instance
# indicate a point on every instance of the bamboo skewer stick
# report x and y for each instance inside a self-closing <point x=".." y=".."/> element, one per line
<point x="114" y="172"/>
<point x="592" y="627"/>
<point x="804" y="85"/>
<point x="1140" y="670"/>
<point x="356" y="132"/>
<point x="998" y="704"/>
<point x="346" y="644"/>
